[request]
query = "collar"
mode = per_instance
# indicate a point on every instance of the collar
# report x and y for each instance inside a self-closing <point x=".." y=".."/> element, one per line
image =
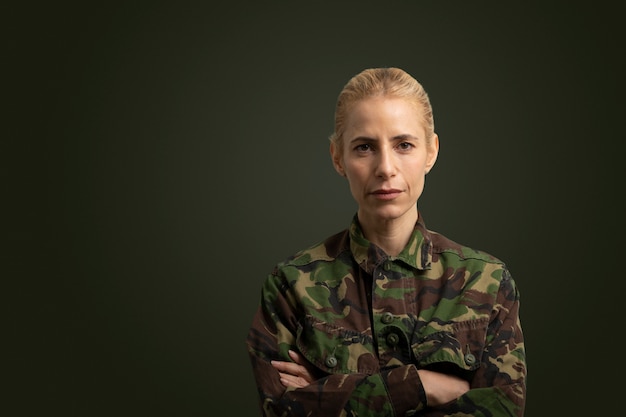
<point x="417" y="253"/>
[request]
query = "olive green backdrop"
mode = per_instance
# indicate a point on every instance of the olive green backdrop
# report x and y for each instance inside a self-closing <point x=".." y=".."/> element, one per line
<point x="159" y="158"/>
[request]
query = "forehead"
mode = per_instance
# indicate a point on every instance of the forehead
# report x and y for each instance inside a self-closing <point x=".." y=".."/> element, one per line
<point x="384" y="113"/>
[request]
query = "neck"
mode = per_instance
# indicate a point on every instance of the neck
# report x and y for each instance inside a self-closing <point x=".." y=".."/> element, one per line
<point x="391" y="235"/>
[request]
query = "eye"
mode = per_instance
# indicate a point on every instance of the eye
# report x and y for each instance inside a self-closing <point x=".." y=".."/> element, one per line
<point x="364" y="147"/>
<point x="405" y="146"/>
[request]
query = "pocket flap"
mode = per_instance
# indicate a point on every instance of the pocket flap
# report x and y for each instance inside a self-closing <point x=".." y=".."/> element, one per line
<point x="459" y="343"/>
<point x="335" y="349"/>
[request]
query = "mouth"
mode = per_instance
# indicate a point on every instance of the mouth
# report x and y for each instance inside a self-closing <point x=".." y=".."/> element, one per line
<point x="386" y="194"/>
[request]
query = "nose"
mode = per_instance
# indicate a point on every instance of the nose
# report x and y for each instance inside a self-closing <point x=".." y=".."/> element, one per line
<point x="386" y="164"/>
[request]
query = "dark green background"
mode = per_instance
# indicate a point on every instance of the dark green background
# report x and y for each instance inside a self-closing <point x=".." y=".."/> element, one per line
<point x="159" y="158"/>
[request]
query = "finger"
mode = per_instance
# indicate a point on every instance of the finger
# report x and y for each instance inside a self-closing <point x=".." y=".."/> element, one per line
<point x="294" y="370"/>
<point x="306" y="371"/>
<point x="292" y="381"/>
<point x="289" y="367"/>
<point x="297" y="358"/>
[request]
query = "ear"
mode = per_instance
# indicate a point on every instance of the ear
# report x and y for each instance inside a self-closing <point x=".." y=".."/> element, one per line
<point x="433" y="152"/>
<point x="336" y="158"/>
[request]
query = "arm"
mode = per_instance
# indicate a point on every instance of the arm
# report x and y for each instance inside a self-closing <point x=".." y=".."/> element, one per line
<point x="390" y="392"/>
<point x="497" y="387"/>
<point x="440" y="388"/>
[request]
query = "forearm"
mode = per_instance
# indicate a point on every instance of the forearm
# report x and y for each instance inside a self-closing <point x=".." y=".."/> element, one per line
<point x="390" y="392"/>
<point x="483" y="402"/>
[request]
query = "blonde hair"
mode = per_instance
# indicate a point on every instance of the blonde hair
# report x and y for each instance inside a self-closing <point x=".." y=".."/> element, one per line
<point x="381" y="82"/>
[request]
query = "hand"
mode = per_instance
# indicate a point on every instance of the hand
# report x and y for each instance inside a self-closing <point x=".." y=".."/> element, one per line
<point x="442" y="388"/>
<point x="296" y="375"/>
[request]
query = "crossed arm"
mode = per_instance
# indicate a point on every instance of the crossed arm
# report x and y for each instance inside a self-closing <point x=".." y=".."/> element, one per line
<point x="294" y="386"/>
<point x="440" y="388"/>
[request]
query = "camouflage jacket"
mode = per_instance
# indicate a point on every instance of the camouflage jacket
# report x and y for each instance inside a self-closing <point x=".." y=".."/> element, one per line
<point x="368" y="322"/>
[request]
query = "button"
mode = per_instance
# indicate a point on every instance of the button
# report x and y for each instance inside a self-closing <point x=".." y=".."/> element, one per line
<point x="387" y="266"/>
<point x="331" y="361"/>
<point x="393" y="339"/>
<point x="470" y="359"/>
<point x="387" y="318"/>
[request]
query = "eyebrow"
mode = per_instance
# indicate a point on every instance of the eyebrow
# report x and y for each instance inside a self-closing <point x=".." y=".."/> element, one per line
<point x="404" y="136"/>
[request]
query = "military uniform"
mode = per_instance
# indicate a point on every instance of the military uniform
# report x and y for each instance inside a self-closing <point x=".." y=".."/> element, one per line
<point x="368" y="321"/>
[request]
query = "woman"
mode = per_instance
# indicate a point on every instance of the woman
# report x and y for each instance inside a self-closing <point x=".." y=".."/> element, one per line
<point x="387" y="318"/>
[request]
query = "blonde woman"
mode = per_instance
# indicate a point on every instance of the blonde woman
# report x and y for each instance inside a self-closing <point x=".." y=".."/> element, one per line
<point x="388" y="318"/>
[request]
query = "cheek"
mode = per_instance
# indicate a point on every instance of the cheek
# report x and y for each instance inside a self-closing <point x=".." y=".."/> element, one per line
<point x="416" y="177"/>
<point x="356" y="174"/>
<point x="357" y="181"/>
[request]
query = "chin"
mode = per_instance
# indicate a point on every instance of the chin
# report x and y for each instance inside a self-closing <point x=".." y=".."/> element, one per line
<point x="388" y="213"/>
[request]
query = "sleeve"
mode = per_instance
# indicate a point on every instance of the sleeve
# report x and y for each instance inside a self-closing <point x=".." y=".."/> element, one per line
<point x="498" y="388"/>
<point x="391" y="392"/>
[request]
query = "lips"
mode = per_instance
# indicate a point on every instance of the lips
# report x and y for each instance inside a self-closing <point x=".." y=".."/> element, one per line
<point x="386" y="194"/>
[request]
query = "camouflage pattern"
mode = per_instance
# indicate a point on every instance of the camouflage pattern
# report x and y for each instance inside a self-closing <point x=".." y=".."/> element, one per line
<point x="368" y="322"/>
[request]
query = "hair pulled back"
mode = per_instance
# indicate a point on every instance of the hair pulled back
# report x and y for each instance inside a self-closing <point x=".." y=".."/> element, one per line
<point x="381" y="82"/>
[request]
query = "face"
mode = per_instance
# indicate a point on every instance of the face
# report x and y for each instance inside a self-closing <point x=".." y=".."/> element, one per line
<point x="385" y="157"/>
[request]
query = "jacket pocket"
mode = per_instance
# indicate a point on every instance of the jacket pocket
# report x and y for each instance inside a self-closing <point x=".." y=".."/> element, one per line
<point x="335" y="349"/>
<point x="456" y="343"/>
